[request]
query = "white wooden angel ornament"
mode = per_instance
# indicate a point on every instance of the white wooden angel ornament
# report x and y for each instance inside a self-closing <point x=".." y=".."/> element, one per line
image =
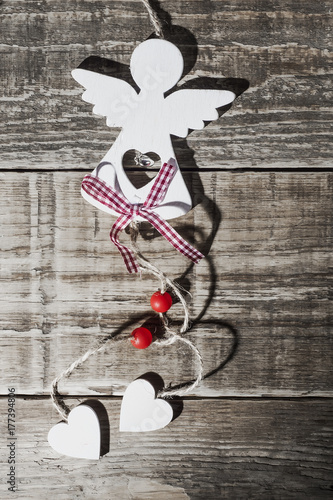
<point x="147" y="120"/>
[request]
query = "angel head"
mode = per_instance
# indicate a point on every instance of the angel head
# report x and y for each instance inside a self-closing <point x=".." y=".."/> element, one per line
<point x="156" y="63"/>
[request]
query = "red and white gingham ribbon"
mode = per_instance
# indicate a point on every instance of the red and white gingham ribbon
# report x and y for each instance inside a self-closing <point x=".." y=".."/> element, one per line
<point x="105" y="194"/>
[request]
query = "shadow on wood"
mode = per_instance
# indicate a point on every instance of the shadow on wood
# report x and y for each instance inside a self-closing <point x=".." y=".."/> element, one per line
<point x="103" y="422"/>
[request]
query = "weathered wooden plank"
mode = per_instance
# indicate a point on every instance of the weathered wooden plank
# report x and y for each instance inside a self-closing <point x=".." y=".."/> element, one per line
<point x="284" y="118"/>
<point x="214" y="449"/>
<point x="260" y="306"/>
<point x="261" y="310"/>
<point x="246" y="22"/>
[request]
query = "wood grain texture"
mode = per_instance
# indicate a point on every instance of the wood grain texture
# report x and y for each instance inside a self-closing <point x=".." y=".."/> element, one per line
<point x="261" y="307"/>
<point x="283" y="48"/>
<point x="214" y="449"/>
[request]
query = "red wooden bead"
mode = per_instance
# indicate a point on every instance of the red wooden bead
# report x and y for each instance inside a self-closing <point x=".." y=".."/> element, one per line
<point x="161" y="302"/>
<point x="142" y="337"/>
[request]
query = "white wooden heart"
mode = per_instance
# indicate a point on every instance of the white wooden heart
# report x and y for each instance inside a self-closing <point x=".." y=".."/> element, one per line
<point x="81" y="437"/>
<point x="140" y="411"/>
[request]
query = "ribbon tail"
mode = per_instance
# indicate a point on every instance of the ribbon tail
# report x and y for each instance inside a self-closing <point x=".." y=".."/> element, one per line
<point x="127" y="254"/>
<point x="169" y="233"/>
<point x="160" y="187"/>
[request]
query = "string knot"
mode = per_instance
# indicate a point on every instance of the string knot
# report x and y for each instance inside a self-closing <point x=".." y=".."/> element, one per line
<point x="136" y="210"/>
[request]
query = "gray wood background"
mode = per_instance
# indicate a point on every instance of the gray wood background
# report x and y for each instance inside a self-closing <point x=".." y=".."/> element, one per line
<point x="260" y="425"/>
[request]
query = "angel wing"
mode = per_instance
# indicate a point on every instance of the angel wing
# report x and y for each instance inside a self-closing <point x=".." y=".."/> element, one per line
<point x="189" y="108"/>
<point x="111" y="96"/>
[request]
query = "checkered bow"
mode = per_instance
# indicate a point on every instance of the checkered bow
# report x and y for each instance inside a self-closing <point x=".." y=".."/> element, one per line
<point x="108" y="196"/>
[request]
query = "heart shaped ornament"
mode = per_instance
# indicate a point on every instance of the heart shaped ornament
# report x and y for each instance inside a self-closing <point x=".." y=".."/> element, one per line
<point x="141" y="411"/>
<point x="81" y="437"/>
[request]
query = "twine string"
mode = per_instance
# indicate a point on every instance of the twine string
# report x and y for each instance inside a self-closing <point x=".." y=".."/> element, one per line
<point x="170" y="336"/>
<point x="166" y="282"/>
<point x="154" y="19"/>
<point x="188" y="387"/>
<point x="56" y="397"/>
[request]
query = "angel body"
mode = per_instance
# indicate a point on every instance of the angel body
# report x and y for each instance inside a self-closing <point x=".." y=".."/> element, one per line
<point x="148" y="119"/>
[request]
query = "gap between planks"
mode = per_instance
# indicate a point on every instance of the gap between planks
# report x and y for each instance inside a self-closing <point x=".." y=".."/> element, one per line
<point x="32" y="397"/>
<point x="237" y="170"/>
